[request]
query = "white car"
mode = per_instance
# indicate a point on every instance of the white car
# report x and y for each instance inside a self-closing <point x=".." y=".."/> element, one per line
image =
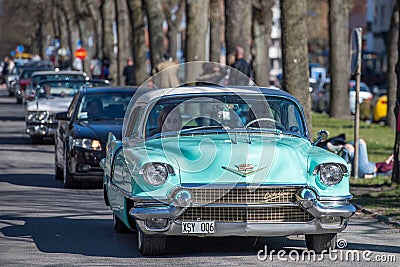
<point x="321" y="95"/>
<point x="365" y="94"/>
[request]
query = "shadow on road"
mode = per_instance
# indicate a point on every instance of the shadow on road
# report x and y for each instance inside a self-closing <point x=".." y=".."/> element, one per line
<point x="12" y="118"/>
<point x="63" y="234"/>
<point x="23" y="140"/>
<point x="29" y="179"/>
<point x="14" y="140"/>
<point x="44" y="180"/>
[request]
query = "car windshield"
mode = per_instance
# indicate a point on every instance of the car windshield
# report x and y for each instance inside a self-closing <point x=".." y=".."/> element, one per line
<point x="35" y="79"/>
<point x="221" y="113"/>
<point x="51" y="89"/>
<point x="103" y="106"/>
<point x="363" y="87"/>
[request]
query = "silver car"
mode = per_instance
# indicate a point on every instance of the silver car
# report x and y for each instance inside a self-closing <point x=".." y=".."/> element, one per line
<point x="52" y="97"/>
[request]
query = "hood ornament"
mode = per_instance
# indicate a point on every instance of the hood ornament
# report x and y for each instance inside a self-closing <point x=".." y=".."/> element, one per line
<point x="243" y="169"/>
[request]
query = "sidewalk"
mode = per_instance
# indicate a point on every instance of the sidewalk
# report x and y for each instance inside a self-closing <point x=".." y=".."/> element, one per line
<point x="381" y="200"/>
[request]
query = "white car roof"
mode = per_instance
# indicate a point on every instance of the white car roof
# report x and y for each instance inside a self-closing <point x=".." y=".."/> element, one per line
<point x="151" y="94"/>
<point x="66" y="72"/>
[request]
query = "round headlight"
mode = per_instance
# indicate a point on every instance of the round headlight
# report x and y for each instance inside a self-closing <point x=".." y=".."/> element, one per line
<point x="330" y="174"/>
<point x="31" y="116"/>
<point x="155" y="174"/>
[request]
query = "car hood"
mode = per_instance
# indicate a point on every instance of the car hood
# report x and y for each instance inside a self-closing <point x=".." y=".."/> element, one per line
<point x="97" y="129"/>
<point x="53" y="105"/>
<point x="205" y="159"/>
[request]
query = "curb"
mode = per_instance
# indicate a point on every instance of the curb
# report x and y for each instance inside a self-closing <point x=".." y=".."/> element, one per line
<point x="379" y="217"/>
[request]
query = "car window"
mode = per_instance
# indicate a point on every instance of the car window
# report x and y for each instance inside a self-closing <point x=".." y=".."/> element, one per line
<point x="104" y="106"/>
<point x="134" y="122"/>
<point x="363" y="87"/>
<point x="72" y="107"/>
<point x="224" y="112"/>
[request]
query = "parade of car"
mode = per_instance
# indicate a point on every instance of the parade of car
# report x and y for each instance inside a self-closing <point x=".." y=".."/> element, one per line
<point x="214" y="161"/>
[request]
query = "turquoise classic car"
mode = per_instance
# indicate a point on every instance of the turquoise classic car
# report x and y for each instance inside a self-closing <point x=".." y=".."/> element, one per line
<point x="223" y="161"/>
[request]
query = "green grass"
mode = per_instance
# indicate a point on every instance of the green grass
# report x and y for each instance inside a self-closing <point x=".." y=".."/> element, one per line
<point x="380" y="139"/>
<point x="378" y="181"/>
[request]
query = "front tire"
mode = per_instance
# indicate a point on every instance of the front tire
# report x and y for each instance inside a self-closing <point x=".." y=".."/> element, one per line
<point x="59" y="173"/>
<point x="318" y="243"/>
<point x="151" y="245"/>
<point x="69" y="181"/>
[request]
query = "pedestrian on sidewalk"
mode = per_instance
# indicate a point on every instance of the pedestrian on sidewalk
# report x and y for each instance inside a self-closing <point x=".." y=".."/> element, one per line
<point x="129" y="72"/>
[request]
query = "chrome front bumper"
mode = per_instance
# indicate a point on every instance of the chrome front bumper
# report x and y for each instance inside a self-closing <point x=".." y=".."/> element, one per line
<point x="338" y="210"/>
<point x="41" y="129"/>
<point x="174" y="228"/>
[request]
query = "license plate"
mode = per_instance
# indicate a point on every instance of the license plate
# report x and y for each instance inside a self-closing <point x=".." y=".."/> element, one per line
<point x="203" y="227"/>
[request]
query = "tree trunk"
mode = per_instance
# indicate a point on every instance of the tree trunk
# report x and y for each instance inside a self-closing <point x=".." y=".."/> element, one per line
<point x="338" y="58"/>
<point x="108" y="37"/>
<point x="238" y="26"/>
<point x="117" y="45"/>
<point x="392" y="55"/>
<point x="215" y="32"/>
<point x="295" y="54"/>
<point x="396" y="165"/>
<point x="156" y="34"/>
<point x="173" y="11"/>
<point x="262" y="24"/>
<point x="93" y="9"/>
<point x="138" y="41"/>
<point x="68" y="27"/>
<point x="197" y="13"/>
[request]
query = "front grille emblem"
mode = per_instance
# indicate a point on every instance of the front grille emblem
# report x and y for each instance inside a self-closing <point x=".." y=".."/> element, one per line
<point x="243" y="169"/>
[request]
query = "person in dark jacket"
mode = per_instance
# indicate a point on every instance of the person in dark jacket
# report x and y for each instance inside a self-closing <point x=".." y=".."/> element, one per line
<point x="237" y="78"/>
<point x="129" y="72"/>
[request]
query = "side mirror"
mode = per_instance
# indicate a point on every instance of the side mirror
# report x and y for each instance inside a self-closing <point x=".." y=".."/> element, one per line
<point x="322" y="136"/>
<point x="62" y="116"/>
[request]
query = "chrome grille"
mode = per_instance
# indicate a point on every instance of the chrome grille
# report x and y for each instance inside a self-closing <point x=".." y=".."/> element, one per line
<point x="238" y="195"/>
<point x="243" y="214"/>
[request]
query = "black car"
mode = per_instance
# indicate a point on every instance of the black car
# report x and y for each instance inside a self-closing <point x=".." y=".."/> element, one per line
<point x="81" y="136"/>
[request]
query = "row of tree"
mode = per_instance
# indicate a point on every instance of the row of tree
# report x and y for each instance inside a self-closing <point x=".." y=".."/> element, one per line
<point x="116" y="29"/>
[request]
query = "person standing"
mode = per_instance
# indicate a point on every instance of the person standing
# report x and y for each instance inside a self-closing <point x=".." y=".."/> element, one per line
<point x="10" y="64"/>
<point x="95" y="67"/>
<point x="129" y="72"/>
<point x="237" y="78"/>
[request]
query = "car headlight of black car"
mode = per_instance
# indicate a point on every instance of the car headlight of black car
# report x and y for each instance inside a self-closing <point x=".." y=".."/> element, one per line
<point x="86" y="143"/>
<point x="37" y="115"/>
<point x="330" y="173"/>
<point x="154" y="173"/>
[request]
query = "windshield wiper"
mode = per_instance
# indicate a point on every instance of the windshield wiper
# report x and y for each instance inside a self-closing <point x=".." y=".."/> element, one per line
<point x="206" y="127"/>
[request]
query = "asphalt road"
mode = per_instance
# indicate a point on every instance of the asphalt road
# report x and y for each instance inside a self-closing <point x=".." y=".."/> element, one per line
<point x="41" y="223"/>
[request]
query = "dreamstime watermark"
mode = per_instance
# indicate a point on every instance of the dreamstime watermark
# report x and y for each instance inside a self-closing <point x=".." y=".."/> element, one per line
<point x="330" y="254"/>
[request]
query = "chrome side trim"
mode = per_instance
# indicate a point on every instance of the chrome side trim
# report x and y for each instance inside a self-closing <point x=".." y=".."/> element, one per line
<point x="338" y="198"/>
